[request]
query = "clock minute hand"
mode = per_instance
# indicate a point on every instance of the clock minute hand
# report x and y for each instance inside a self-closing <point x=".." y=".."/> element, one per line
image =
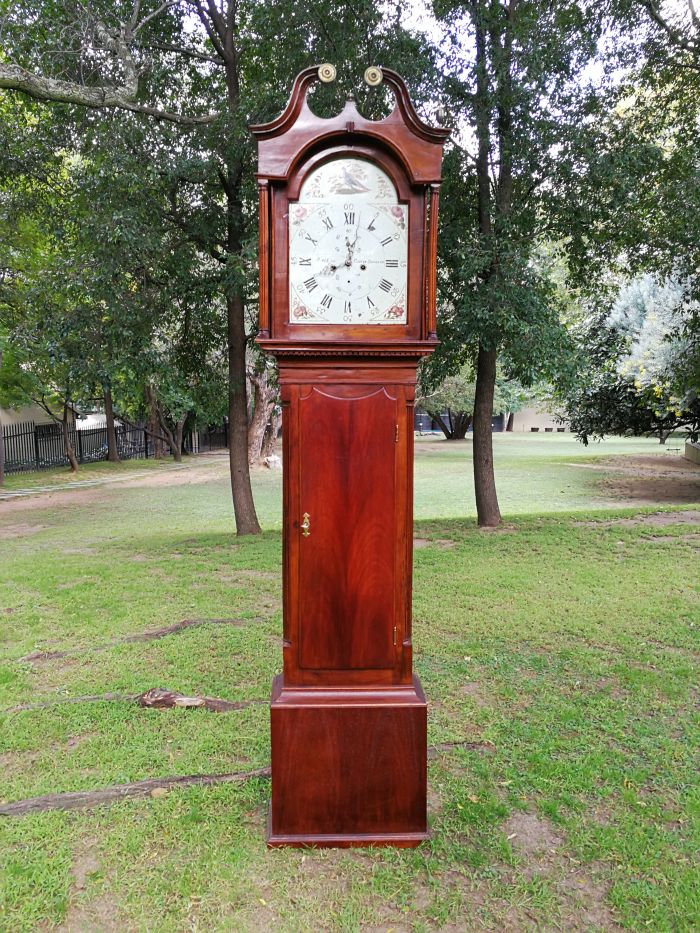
<point x="351" y="246"/>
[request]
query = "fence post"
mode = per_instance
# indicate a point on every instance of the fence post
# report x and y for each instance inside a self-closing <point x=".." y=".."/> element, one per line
<point x="80" y="445"/>
<point x="36" y="445"/>
<point x="145" y="445"/>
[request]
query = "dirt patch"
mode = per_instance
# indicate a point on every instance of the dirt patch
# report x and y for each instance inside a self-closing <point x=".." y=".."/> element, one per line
<point x="184" y="476"/>
<point x="582" y="891"/>
<point x="531" y="836"/>
<point x="647" y="480"/>
<point x="99" y="914"/>
<point x="20" y="530"/>
<point x="59" y="499"/>
<point x="475" y="692"/>
<point x="671" y="539"/>
<point x="444" y="543"/>
<point x="655" y="519"/>
<point x="86" y="863"/>
<point x="503" y="529"/>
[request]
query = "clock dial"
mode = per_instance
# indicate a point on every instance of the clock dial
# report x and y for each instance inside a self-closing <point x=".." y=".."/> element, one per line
<point x="348" y="247"/>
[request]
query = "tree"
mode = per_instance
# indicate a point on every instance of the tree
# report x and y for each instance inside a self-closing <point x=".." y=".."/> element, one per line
<point x="635" y="380"/>
<point x="452" y="403"/>
<point x="520" y="104"/>
<point x="199" y="73"/>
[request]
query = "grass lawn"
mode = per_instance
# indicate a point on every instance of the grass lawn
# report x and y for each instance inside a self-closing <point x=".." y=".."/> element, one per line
<point x="559" y="653"/>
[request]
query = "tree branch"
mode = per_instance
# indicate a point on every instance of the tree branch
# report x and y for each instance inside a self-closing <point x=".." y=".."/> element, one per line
<point x="16" y="78"/>
<point x="676" y="37"/>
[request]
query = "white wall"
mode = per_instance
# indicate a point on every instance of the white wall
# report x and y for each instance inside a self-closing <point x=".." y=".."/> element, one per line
<point x="27" y="413"/>
<point x="692" y="452"/>
<point x="528" y="418"/>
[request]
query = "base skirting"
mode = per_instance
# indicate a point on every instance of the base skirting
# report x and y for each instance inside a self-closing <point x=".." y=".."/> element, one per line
<point x="349" y="766"/>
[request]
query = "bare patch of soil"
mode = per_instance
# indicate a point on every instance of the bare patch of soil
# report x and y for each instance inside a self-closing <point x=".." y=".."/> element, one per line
<point x="88" y="495"/>
<point x="503" y="529"/>
<point x="670" y="539"/>
<point x="649" y="480"/>
<point x="531" y="836"/>
<point x="189" y="475"/>
<point x="99" y="914"/>
<point x="475" y="692"/>
<point x="582" y="891"/>
<point x="655" y="519"/>
<point x="444" y="543"/>
<point x="20" y="530"/>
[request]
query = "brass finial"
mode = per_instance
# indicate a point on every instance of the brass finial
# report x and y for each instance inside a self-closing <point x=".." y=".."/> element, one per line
<point x="326" y="73"/>
<point x="373" y="76"/>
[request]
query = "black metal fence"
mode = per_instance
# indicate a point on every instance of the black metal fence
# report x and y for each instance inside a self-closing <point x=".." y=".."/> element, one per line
<point x="30" y="446"/>
<point x="202" y="440"/>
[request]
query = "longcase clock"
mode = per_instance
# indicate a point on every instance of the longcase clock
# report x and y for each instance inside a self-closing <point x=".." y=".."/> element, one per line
<point x="348" y="232"/>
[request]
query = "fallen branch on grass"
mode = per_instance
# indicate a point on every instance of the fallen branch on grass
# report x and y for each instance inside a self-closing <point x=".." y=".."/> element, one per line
<point x="97" y="698"/>
<point x="153" y="635"/>
<point x="84" y="800"/>
<point x="155" y="698"/>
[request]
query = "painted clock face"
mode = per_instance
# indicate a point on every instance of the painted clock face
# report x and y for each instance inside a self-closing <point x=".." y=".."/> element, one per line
<point x="348" y="247"/>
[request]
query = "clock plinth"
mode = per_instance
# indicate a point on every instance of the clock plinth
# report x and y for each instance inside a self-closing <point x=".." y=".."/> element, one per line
<point x="348" y="223"/>
<point x="349" y="766"/>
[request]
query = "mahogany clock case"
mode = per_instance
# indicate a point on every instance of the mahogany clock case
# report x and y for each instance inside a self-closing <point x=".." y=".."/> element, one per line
<point x="348" y="717"/>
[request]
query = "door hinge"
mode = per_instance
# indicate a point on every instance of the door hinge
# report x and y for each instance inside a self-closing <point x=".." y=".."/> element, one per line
<point x="394" y="634"/>
<point x="396" y="435"/>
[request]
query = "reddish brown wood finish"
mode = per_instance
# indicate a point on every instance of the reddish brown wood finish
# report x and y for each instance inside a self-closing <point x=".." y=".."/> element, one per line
<point x="348" y="766"/>
<point x="348" y="716"/>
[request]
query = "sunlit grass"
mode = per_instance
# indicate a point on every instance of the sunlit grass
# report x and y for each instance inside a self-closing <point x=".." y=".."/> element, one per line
<point x="564" y="653"/>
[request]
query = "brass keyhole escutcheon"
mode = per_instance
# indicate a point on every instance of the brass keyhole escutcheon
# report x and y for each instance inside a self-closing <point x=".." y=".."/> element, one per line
<point x="306" y="525"/>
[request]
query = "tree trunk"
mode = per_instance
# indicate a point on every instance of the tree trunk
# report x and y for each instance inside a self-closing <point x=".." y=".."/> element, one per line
<point x="112" y="449"/>
<point x="271" y="432"/>
<point x="462" y="423"/>
<point x="241" y="490"/>
<point x="153" y="426"/>
<point x="68" y="447"/>
<point x="487" y="510"/>
<point x="174" y="440"/>
<point x="263" y="403"/>
<point x="509" y="422"/>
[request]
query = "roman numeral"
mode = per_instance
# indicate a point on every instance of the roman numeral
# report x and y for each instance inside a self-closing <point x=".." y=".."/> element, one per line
<point x="385" y="285"/>
<point x="307" y="236"/>
<point x="311" y="283"/>
<point x="387" y="240"/>
<point x="348" y="308"/>
<point x="304" y="262"/>
<point x="371" y="223"/>
<point x="328" y="223"/>
<point x="327" y="301"/>
<point x="392" y="264"/>
<point x="350" y="218"/>
<point x="370" y="303"/>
